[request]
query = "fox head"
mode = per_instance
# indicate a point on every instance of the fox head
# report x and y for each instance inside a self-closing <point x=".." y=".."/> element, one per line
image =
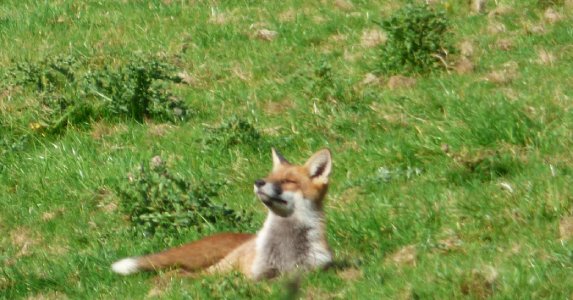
<point x="291" y="188"/>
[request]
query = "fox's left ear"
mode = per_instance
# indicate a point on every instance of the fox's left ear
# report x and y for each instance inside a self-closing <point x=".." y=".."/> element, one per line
<point x="278" y="159"/>
<point x="319" y="166"/>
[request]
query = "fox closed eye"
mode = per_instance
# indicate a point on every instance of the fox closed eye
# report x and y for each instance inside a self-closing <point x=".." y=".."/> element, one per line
<point x="286" y="181"/>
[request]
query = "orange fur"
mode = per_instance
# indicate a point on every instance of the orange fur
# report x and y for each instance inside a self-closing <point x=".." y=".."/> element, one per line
<point x="196" y="255"/>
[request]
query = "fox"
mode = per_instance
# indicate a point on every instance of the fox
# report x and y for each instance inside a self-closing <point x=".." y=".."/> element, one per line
<point x="292" y="238"/>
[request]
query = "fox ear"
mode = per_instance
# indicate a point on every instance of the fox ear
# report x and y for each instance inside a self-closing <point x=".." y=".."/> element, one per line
<point x="319" y="165"/>
<point x="278" y="159"/>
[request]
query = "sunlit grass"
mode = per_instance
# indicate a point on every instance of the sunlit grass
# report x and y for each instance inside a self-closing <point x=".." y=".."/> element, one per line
<point x="455" y="186"/>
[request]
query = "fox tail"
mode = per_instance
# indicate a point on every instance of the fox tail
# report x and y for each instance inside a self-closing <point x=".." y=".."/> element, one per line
<point x="191" y="257"/>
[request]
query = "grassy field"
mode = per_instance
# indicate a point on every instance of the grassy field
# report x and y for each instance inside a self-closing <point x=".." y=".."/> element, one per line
<point x="449" y="184"/>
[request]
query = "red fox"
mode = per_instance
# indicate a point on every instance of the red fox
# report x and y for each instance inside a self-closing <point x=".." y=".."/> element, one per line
<point x="293" y="236"/>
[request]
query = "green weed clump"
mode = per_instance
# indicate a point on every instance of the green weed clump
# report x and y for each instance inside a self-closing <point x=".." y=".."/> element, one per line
<point x="160" y="202"/>
<point x="236" y="131"/>
<point x="324" y="83"/>
<point x="549" y="3"/>
<point x="51" y="74"/>
<point x="241" y="133"/>
<point x="484" y="168"/>
<point x="138" y="90"/>
<point x="71" y="93"/>
<point x="418" y="41"/>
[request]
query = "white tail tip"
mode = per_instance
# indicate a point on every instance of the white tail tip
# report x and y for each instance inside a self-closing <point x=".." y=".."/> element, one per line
<point x="125" y="266"/>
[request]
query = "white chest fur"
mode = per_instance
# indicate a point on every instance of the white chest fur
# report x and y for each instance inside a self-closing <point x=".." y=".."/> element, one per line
<point x="287" y="244"/>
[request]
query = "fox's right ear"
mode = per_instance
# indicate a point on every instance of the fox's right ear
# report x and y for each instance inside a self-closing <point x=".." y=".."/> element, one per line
<point x="319" y="166"/>
<point x="278" y="159"/>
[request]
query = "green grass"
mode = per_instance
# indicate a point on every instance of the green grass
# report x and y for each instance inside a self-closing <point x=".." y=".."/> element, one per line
<point x="301" y="91"/>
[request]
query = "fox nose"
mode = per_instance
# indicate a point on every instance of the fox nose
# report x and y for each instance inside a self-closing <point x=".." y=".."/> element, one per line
<point x="259" y="183"/>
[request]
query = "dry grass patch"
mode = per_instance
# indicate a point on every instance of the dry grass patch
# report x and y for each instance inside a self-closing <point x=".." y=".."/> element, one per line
<point x="466" y="48"/>
<point x="221" y="18"/>
<point x="391" y="113"/>
<point x="566" y="228"/>
<point x="187" y="78"/>
<point x="6" y="96"/>
<point x="50" y="215"/>
<point x="480" y="283"/>
<point x="349" y="146"/>
<point x="161" y="284"/>
<point x="343" y="5"/>
<point x="471" y="159"/>
<point x="504" y="44"/>
<point x="372" y="38"/>
<point x="318" y="19"/>
<point x="106" y="200"/>
<point x="400" y="81"/>
<point x="288" y="15"/>
<point x="48" y="296"/>
<point x="350" y="274"/>
<point x="371" y="79"/>
<point x="406" y="294"/>
<point x="266" y="35"/>
<point x="449" y="244"/>
<point x="464" y="66"/>
<point x="5" y="282"/>
<point x="272" y="131"/>
<point x="545" y="57"/>
<point x="552" y="16"/>
<point x="478" y="6"/>
<point x="536" y="29"/>
<point x="505" y="75"/>
<point x="24" y="240"/>
<point x="109" y="207"/>
<point x="314" y="293"/>
<point x="351" y="56"/>
<point x="279" y="107"/>
<point x="495" y="27"/>
<point x="239" y="72"/>
<point x="57" y="247"/>
<point x="350" y="195"/>
<point x="500" y="10"/>
<point x="159" y="130"/>
<point x="102" y="129"/>
<point x="339" y="37"/>
<point x="404" y="257"/>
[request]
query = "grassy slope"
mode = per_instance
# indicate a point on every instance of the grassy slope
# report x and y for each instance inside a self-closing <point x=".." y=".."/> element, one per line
<point x="471" y="236"/>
